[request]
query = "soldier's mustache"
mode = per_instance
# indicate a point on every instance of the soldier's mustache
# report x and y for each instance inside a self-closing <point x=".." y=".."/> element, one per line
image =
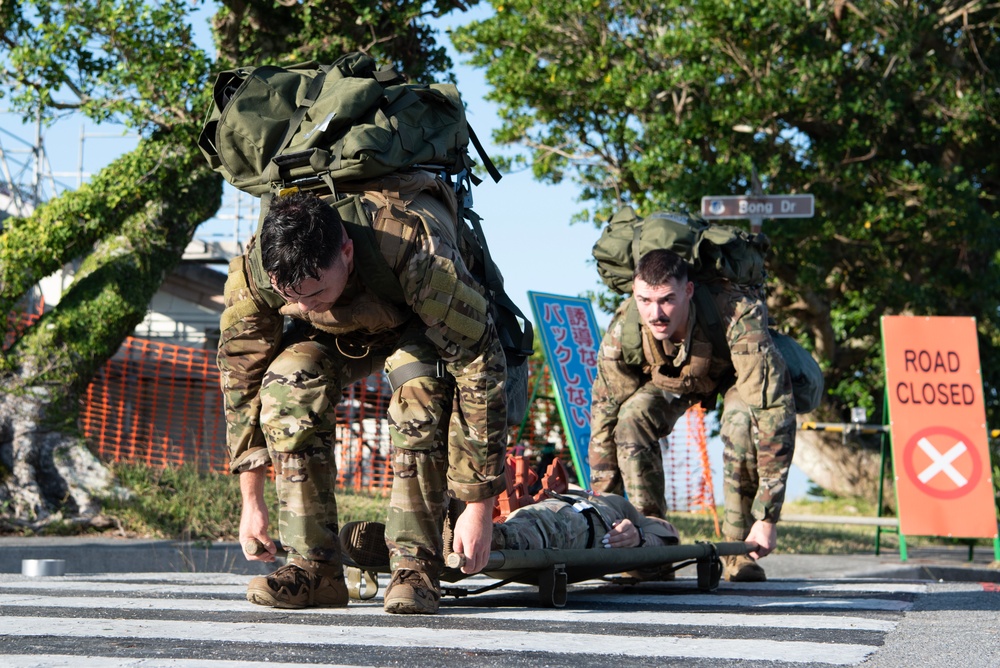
<point x="660" y="321"/>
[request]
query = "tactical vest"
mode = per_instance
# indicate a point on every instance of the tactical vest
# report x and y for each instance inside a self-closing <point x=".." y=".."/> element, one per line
<point x="382" y="244"/>
<point x="640" y="348"/>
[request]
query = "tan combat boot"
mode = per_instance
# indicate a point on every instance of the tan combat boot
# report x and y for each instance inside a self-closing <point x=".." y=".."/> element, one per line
<point x="300" y="583"/>
<point x="412" y="593"/>
<point x="742" y="568"/>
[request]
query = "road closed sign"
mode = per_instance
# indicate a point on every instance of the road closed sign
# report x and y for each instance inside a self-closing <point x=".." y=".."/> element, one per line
<point x="937" y="419"/>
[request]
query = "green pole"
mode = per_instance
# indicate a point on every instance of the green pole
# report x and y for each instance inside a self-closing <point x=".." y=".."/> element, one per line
<point x="885" y="450"/>
<point x="577" y="460"/>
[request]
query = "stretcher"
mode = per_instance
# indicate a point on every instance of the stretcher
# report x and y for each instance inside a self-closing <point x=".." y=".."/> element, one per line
<point x="552" y="570"/>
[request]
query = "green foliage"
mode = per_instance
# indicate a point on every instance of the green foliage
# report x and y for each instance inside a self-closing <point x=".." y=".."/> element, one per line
<point x="323" y="30"/>
<point x="887" y="113"/>
<point x="104" y="59"/>
<point x="154" y="199"/>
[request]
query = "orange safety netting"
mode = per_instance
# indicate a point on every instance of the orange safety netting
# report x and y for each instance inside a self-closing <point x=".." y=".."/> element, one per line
<point x="161" y="404"/>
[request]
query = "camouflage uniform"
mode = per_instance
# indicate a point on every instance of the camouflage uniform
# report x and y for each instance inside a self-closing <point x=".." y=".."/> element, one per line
<point x="642" y="389"/>
<point x="554" y="523"/>
<point x="281" y="389"/>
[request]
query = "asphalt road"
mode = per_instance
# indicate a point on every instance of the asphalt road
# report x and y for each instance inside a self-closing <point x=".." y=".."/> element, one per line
<point x="846" y="611"/>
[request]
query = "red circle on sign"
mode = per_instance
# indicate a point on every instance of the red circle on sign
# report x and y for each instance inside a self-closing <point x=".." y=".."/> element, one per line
<point x="951" y="437"/>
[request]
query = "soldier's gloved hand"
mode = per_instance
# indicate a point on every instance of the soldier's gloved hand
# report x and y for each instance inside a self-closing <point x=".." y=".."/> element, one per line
<point x="473" y="533"/>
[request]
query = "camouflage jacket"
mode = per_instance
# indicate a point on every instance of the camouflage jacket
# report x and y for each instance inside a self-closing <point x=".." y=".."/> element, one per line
<point x="692" y="372"/>
<point x="416" y="232"/>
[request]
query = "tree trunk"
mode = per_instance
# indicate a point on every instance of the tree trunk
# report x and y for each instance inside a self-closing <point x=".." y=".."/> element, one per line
<point x="51" y="475"/>
<point x="843" y="467"/>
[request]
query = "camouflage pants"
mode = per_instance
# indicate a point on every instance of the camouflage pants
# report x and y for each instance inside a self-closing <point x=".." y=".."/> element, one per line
<point x="739" y="466"/>
<point x="299" y="396"/>
<point x="634" y="467"/>
<point x="420" y="413"/>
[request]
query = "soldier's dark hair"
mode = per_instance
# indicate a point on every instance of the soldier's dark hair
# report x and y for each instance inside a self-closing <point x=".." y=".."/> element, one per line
<point x="659" y="267"/>
<point x="301" y="236"/>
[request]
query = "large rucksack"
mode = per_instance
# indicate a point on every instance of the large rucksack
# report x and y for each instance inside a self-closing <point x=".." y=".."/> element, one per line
<point x="313" y="127"/>
<point x="715" y="254"/>
<point x="299" y="126"/>
<point x="712" y="251"/>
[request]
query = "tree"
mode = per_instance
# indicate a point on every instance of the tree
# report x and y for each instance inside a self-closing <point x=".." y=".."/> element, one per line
<point x="887" y="112"/>
<point x="133" y="62"/>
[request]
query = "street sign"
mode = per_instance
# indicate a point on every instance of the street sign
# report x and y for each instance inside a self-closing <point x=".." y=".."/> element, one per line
<point x="938" y="425"/>
<point x="758" y="206"/>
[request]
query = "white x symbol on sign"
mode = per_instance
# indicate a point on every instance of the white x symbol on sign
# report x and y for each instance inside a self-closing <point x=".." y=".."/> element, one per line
<point x="942" y="463"/>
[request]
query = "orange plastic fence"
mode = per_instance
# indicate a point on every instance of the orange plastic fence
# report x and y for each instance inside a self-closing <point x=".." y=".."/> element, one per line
<point x="160" y="404"/>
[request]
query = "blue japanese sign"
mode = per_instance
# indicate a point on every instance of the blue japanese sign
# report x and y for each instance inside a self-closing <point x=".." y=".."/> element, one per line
<point x="570" y="339"/>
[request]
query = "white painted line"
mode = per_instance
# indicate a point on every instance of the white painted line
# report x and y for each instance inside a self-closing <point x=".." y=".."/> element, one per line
<point x="597" y="599"/>
<point x="724" y="598"/>
<point x="509" y="641"/>
<point x="214" y="586"/>
<point x="872" y="588"/>
<point x="110" y="589"/>
<point x="73" y="661"/>
<point x="638" y="617"/>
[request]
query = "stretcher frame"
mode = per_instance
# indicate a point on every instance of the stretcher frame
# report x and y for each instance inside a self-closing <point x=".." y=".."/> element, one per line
<point x="553" y="570"/>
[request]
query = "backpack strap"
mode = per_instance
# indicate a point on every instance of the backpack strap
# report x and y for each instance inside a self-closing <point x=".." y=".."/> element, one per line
<point x="712" y="319"/>
<point x="312" y="94"/>
<point x="378" y="275"/>
<point x="494" y="283"/>
<point x="712" y="325"/>
<point x="487" y="163"/>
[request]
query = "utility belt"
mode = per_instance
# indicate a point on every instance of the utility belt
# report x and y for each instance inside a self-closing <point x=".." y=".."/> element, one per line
<point x="584" y="507"/>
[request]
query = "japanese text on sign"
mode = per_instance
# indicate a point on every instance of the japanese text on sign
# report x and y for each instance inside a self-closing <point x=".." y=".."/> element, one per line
<point x="570" y="337"/>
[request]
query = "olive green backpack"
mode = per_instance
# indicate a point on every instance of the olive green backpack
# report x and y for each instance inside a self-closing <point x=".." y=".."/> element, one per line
<point x="313" y="127"/>
<point x="714" y="253"/>
<point x="711" y="251"/>
<point x="306" y="125"/>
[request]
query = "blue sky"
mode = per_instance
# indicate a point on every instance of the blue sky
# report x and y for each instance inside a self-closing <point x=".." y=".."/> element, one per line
<point x="526" y="222"/>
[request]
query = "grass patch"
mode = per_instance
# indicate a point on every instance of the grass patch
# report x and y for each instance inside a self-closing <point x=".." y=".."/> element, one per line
<point x="816" y="538"/>
<point x="185" y="504"/>
<point x="793" y="538"/>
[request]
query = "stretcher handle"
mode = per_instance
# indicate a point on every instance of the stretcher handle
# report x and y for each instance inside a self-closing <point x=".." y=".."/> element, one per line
<point x="254" y="547"/>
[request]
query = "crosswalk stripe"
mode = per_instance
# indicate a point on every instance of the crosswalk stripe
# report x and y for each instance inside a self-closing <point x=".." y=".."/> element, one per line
<point x="636" y="617"/>
<point x="423" y="637"/>
<point x="752" y="602"/>
<point x="68" y="661"/>
<point x="721" y="598"/>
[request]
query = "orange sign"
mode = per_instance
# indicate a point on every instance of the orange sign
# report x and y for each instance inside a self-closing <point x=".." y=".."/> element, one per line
<point x="937" y="419"/>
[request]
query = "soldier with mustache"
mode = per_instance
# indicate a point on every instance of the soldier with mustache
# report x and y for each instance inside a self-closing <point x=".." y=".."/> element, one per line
<point x="656" y="361"/>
